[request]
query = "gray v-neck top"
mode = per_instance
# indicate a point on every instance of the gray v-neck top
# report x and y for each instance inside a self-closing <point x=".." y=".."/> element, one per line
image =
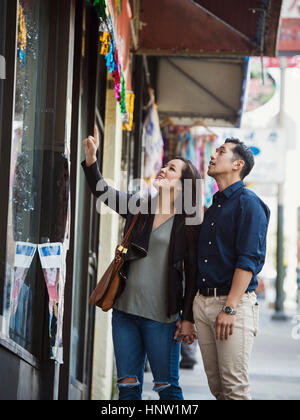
<point x="145" y="293"/>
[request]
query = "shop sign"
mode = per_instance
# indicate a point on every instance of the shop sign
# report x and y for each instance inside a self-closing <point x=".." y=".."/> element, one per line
<point x="272" y="62"/>
<point x="289" y="37"/>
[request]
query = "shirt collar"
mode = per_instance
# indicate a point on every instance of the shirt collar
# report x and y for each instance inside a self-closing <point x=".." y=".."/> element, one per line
<point x="229" y="190"/>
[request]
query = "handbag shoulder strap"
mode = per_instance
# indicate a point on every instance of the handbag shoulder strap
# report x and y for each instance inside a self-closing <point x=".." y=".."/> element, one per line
<point x="128" y="233"/>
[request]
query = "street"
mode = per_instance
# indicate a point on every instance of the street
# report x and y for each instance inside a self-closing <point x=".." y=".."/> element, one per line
<point x="274" y="368"/>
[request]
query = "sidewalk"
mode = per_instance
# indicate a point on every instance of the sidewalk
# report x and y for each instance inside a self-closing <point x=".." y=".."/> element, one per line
<point x="274" y="368"/>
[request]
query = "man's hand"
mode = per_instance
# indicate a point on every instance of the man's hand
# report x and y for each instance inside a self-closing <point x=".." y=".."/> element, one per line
<point x="224" y="326"/>
<point x="91" y="145"/>
<point x="186" y="332"/>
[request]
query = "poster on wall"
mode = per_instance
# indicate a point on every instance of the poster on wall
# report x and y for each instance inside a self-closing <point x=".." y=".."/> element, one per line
<point x="52" y="257"/>
<point x="25" y="252"/>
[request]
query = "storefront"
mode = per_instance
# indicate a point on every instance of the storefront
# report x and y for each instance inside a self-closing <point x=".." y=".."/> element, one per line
<point x="54" y="92"/>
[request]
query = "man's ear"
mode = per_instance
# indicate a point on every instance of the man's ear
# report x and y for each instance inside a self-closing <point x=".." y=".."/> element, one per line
<point x="238" y="165"/>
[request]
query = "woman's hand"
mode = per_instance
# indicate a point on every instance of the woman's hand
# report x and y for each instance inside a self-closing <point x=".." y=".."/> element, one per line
<point x="186" y="332"/>
<point x="91" y="145"/>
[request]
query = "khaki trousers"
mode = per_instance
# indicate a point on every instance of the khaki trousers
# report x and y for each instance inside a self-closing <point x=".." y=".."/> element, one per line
<point x="226" y="362"/>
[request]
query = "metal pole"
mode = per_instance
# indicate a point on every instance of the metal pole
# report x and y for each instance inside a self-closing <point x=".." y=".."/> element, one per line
<point x="56" y="381"/>
<point x="280" y="296"/>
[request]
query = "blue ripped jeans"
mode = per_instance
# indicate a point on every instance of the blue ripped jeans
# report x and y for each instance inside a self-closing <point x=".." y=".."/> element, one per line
<point x="135" y="338"/>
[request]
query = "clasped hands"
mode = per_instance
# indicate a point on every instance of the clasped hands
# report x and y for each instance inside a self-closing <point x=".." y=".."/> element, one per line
<point x="186" y="332"/>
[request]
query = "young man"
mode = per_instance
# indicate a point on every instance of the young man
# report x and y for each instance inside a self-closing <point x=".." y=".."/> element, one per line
<point x="231" y="252"/>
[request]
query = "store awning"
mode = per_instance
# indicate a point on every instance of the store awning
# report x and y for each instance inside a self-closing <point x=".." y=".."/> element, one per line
<point x="209" y="89"/>
<point x="208" y="27"/>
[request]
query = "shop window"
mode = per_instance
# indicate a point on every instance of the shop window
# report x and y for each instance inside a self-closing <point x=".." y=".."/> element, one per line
<point x="2" y="56"/>
<point x="38" y="190"/>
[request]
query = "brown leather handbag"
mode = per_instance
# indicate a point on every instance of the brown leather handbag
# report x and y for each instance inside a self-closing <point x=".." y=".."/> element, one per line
<point x="104" y="294"/>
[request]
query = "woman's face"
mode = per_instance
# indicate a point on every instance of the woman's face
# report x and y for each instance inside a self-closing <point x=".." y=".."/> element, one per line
<point x="170" y="175"/>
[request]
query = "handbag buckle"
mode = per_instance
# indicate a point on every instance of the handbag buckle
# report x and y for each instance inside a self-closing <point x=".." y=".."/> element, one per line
<point x="122" y="249"/>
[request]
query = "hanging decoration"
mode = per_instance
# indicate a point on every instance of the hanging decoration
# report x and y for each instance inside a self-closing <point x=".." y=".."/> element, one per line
<point x="22" y="36"/>
<point x="128" y="123"/>
<point x="114" y="27"/>
<point x="153" y="145"/>
<point x="119" y="5"/>
<point x="100" y="8"/>
<point x="104" y="43"/>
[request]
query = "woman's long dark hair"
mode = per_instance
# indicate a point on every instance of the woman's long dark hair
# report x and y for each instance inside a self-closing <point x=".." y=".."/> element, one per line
<point x="190" y="172"/>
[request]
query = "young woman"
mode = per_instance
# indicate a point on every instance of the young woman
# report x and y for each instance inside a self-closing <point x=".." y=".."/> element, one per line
<point x="153" y="311"/>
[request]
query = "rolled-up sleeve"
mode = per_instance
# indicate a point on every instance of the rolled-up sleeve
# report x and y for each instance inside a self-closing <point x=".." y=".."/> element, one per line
<point x="251" y="234"/>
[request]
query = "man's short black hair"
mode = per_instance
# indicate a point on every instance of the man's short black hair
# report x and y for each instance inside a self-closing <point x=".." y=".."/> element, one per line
<point x="241" y="151"/>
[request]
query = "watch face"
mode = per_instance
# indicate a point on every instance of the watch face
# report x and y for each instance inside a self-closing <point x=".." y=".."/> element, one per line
<point x="228" y="310"/>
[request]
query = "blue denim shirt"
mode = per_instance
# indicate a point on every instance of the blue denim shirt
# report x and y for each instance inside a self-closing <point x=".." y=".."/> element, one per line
<point x="233" y="235"/>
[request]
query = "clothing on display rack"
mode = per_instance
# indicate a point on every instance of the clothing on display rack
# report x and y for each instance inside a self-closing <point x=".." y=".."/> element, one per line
<point x="153" y="145"/>
<point x="196" y="143"/>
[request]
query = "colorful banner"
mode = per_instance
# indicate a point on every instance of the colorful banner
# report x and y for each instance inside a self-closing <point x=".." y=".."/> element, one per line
<point x="52" y="256"/>
<point x="115" y="38"/>
<point x="153" y="145"/>
<point x="289" y="38"/>
<point x="289" y="35"/>
<point x="121" y="16"/>
<point x="273" y="62"/>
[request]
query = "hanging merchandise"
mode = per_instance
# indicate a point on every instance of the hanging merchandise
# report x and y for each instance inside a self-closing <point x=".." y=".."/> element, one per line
<point x="194" y="144"/>
<point x="115" y="32"/>
<point x="104" y="43"/>
<point x="153" y="145"/>
<point x="52" y="257"/>
<point x="100" y="8"/>
<point x="127" y="124"/>
<point x="186" y="147"/>
<point x="22" y="36"/>
<point x="119" y="6"/>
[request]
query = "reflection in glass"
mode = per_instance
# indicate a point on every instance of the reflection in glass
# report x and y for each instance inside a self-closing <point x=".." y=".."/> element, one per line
<point x="39" y="177"/>
<point x="19" y="280"/>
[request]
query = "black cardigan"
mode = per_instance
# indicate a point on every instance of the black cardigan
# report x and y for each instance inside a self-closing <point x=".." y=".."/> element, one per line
<point x="182" y="266"/>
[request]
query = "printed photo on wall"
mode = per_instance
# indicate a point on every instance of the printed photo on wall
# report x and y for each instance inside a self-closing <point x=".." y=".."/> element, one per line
<point x="52" y="257"/>
<point x="25" y="252"/>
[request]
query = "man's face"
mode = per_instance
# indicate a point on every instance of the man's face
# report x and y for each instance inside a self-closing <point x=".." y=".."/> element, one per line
<point x="222" y="161"/>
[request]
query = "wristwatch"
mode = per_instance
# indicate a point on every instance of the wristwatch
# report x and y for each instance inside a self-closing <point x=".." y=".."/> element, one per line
<point x="228" y="310"/>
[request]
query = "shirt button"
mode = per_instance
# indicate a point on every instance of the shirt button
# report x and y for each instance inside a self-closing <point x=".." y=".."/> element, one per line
<point x="203" y="280"/>
<point x="209" y="243"/>
<point x="212" y="224"/>
<point x="205" y="261"/>
<point x="219" y="205"/>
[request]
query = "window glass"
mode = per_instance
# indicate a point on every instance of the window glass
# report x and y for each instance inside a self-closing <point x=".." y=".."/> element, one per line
<point x="39" y="189"/>
<point x="2" y="56"/>
<point x="23" y="194"/>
